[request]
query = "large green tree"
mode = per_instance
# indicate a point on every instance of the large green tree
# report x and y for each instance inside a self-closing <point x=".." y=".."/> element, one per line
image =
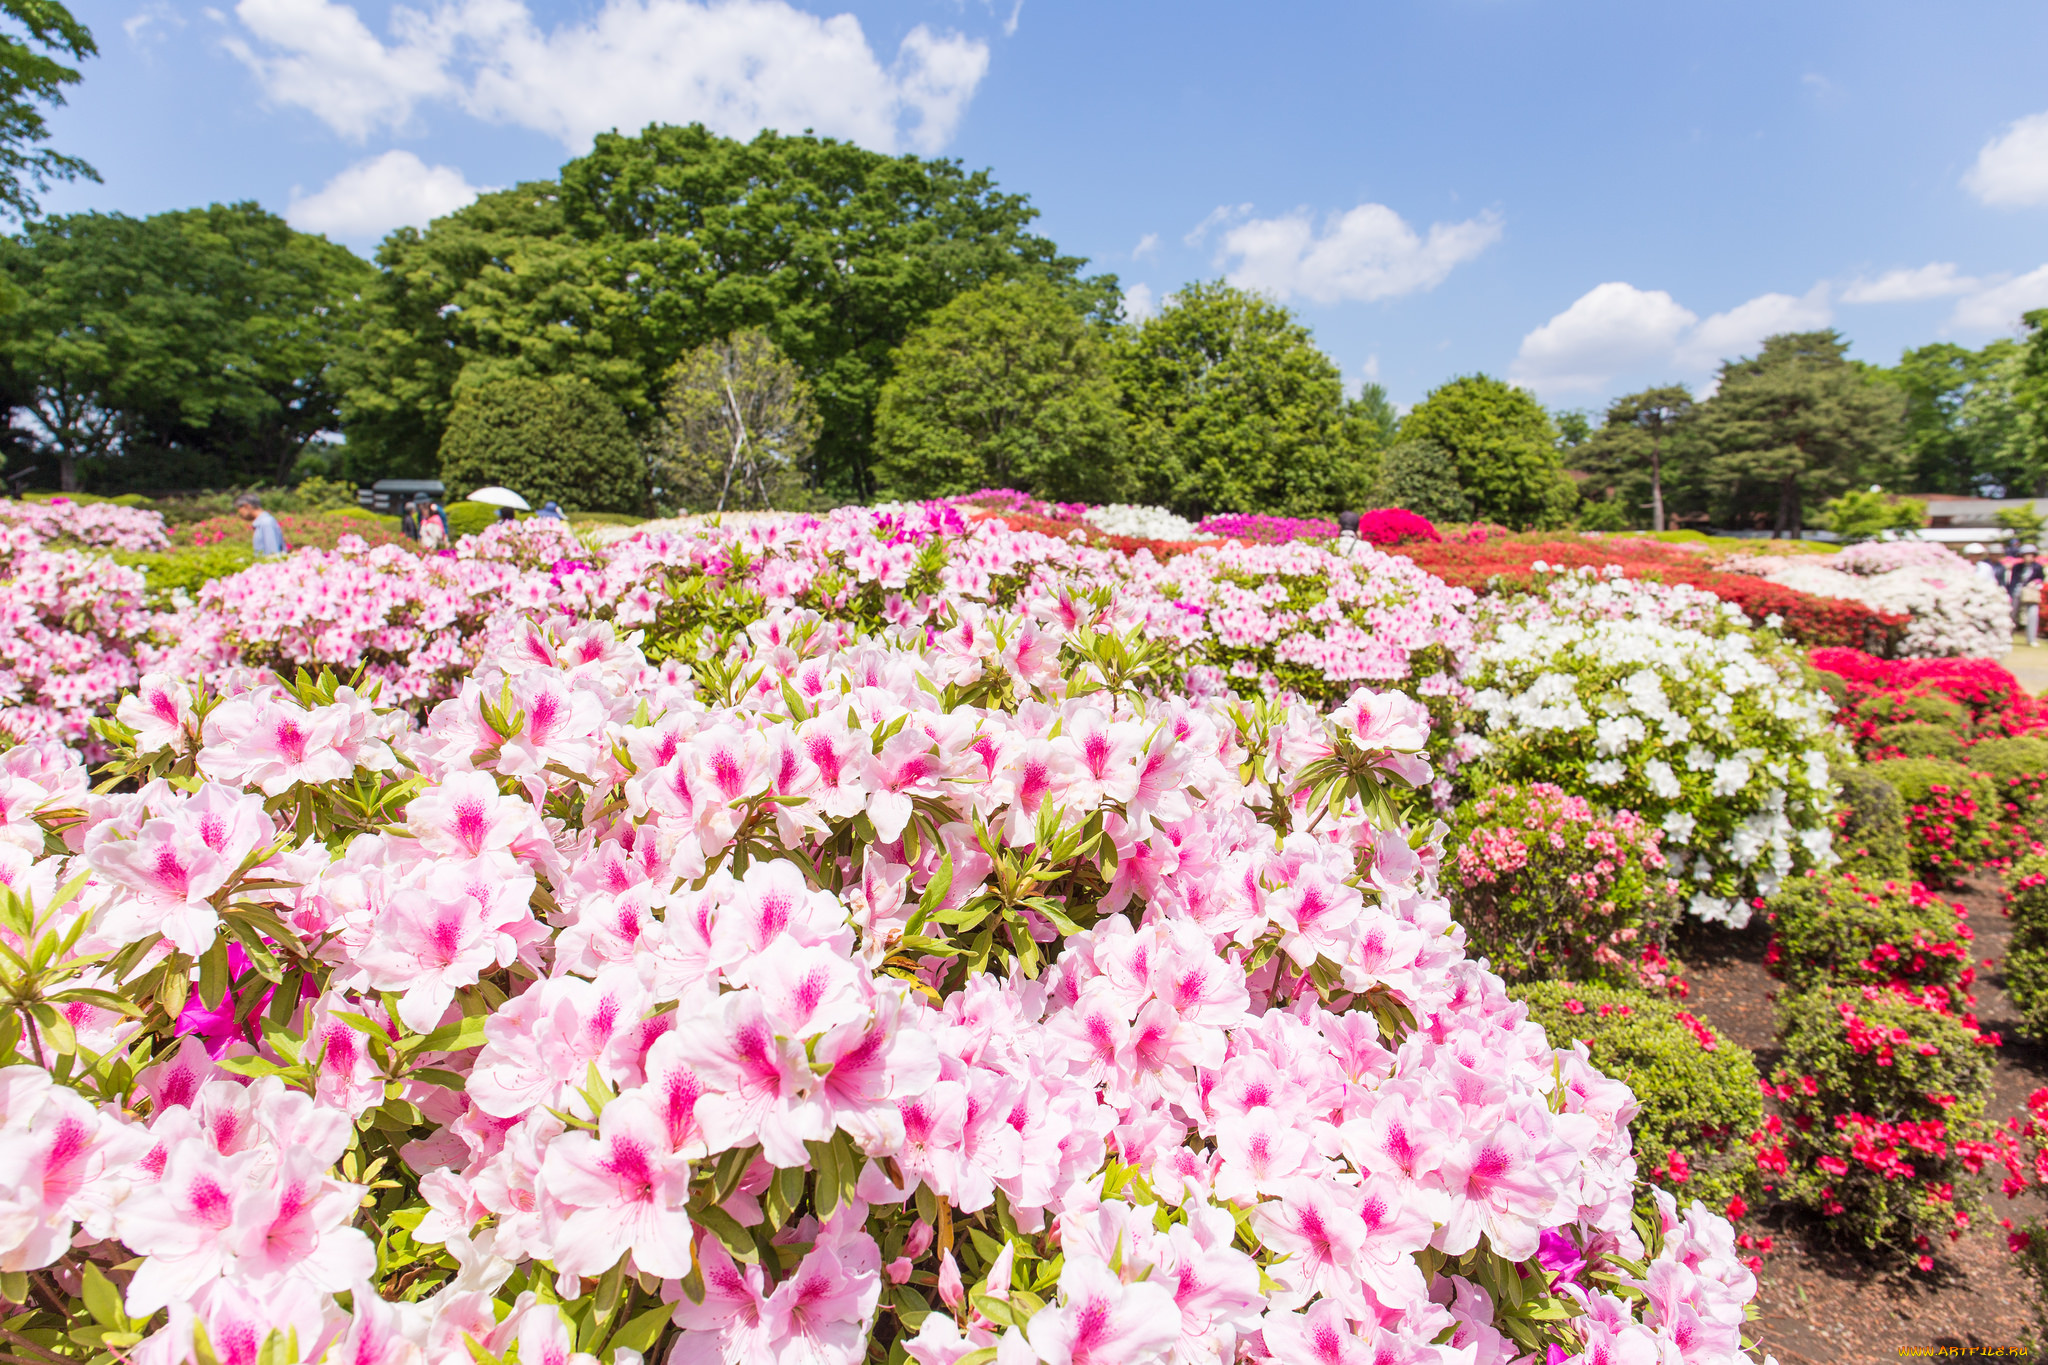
<point x="200" y="340"/>
<point x="1796" y="424"/>
<point x="736" y="429"/>
<point x="559" y="440"/>
<point x="1503" y="446"/>
<point x="653" y="245"/>
<point x="1633" y="450"/>
<point x="1233" y="409"/>
<point x="36" y="36"/>
<point x="1007" y="386"/>
<point x="1961" y="432"/>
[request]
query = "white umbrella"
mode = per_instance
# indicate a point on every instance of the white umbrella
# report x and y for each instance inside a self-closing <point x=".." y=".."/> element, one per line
<point x="500" y="497"/>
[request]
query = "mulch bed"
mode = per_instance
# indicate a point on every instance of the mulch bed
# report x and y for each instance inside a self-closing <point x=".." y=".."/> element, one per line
<point x="1822" y="1302"/>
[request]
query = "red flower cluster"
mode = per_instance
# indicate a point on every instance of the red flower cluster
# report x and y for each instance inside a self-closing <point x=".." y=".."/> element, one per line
<point x="1396" y="526"/>
<point x="303" y="532"/>
<point x="1997" y="704"/>
<point x="1506" y="565"/>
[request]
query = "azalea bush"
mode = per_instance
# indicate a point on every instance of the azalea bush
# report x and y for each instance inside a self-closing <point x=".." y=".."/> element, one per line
<point x="1980" y="698"/>
<point x="1882" y="1092"/>
<point x="1663" y="701"/>
<point x="952" y="993"/>
<point x="1953" y="818"/>
<point x="1870" y="829"/>
<point x="1843" y="930"/>
<point x="1549" y="888"/>
<point x="71" y="625"/>
<point x="102" y="525"/>
<point x="1953" y="611"/>
<point x="1696" y="1092"/>
<point x="2026" y="958"/>
<point x="1264" y="530"/>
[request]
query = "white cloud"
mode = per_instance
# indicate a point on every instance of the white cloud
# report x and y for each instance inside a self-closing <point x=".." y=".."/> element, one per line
<point x="1997" y="307"/>
<point x="737" y="66"/>
<point x="1615" y="328"/>
<point x="372" y="197"/>
<point x="1371" y="369"/>
<point x="2012" y="168"/>
<point x="1146" y="246"/>
<point x="1139" y="302"/>
<point x="1363" y="254"/>
<point x="1938" y="280"/>
<point x="1218" y="216"/>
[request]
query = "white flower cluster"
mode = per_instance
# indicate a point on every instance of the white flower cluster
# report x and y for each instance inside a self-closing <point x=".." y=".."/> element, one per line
<point x="1956" y="613"/>
<point x="1661" y="700"/>
<point x="1138" y="519"/>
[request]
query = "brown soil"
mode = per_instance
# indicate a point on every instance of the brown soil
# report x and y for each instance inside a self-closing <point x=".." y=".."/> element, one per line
<point x="1822" y="1302"/>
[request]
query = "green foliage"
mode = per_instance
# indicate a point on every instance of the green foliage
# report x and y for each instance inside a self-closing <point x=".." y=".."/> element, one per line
<point x="187" y="569"/>
<point x="31" y="74"/>
<point x="1643" y="435"/>
<point x="1607" y="514"/>
<point x="2023" y="523"/>
<point x="470" y="518"/>
<point x="1866" y="513"/>
<point x="544" y="439"/>
<point x="1851" y="1064"/>
<point x="655" y="244"/>
<point x="1420" y="476"/>
<point x="1698" y="1091"/>
<point x="1850" y="930"/>
<point x="737" y="429"/>
<point x="1928" y="706"/>
<point x="2026" y="958"/>
<point x="1233" y="409"/>
<point x="1796" y="424"/>
<point x="188" y="348"/>
<point x="1007" y="386"/>
<point x="1961" y="431"/>
<point x="1503" y="446"/>
<point x="1917" y="739"/>
<point x="1870" y="833"/>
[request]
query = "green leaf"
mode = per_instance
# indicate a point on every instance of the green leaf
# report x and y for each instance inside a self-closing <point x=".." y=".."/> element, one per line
<point x="465" y="1033"/>
<point x="642" y="1332"/>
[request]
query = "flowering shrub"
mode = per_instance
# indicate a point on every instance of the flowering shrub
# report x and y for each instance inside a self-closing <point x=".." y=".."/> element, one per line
<point x="1845" y="931"/>
<point x="2018" y="769"/>
<point x="1661" y="701"/>
<point x="105" y="525"/>
<point x="1260" y="529"/>
<point x="1953" y="824"/>
<point x="1011" y="500"/>
<point x="1870" y="829"/>
<point x="805" y="997"/>
<point x="1548" y="888"/>
<point x="1696" y="1091"/>
<point x="1395" y="526"/>
<point x="1881" y="1092"/>
<point x="1510" y="566"/>
<point x="69" y="626"/>
<point x="1884" y="691"/>
<point x="2026" y="957"/>
<point x="1955" y="612"/>
<point x="2025" y="1153"/>
<point x="301" y="532"/>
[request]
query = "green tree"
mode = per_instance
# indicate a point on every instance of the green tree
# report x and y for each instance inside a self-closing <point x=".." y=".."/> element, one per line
<point x="1233" y="409"/>
<point x="1373" y="413"/>
<point x="1503" y="446"/>
<point x="559" y="439"/>
<point x="1634" y="443"/>
<point x="736" y="429"/>
<point x="1798" y="423"/>
<point x="202" y="339"/>
<point x="39" y="33"/>
<point x="1420" y="476"/>
<point x="1007" y="386"/>
<point x="653" y="245"/>
<point x="1867" y="513"/>
<point x="1961" y="430"/>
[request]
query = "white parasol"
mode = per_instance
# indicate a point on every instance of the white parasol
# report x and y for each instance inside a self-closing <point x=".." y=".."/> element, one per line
<point x="500" y="497"/>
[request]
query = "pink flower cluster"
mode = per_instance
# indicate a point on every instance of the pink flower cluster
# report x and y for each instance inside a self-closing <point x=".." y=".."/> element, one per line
<point x="819" y="994"/>
<point x="107" y="525"/>
<point x="70" y="626"/>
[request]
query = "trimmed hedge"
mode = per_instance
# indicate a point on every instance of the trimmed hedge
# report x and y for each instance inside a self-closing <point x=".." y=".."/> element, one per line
<point x="1870" y="828"/>
<point x="1699" y="1092"/>
<point x="2026" y="959"/>
<point x="559" y="439"/>
<point x="1850" y="931"/>
<point x="1919" y="739"/>
<point x="1952" y="817"/>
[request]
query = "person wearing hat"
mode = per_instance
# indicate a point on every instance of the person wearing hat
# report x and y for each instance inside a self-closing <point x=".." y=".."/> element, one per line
<point x="1988" y="567"/>
<point x="2025" y="581"/>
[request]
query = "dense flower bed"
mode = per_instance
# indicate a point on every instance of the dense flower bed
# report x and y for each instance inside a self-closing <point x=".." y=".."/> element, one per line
<point x="1661" y="700"/>
<point x="1954" y="611"/>
<point x="301" y="532"/>
<point x="104" y="525"/>
<point x="812" y="995"/>
<point x="69" y="630"/>
<point x="1514" y="565"/>
<point x="1259" y="529"/>
<point x="1993" y="700"/>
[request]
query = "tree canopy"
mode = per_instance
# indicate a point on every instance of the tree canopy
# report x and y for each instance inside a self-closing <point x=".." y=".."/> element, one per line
<point x="1503" y="445"/>
<point x="1796" y="424"/>
<point x="200" y="341"/>
<point x="736" y="429"/>
<point x="1007" y="386"/>
<point x="1233" y="409"/>
<point x="35" y="36"/>
<point x="652" y="245"/>
<point x="1634" y="450"/>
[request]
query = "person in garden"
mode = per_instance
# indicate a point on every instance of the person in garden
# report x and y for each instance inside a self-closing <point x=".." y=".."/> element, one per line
<point x="267" y="534"/>
<point x="1988" y="567"/>
<point x="409" y="518"/>
<point x="551" y="511"/>
<point x="2025" y="581"/>
<point x="433" y="527"/>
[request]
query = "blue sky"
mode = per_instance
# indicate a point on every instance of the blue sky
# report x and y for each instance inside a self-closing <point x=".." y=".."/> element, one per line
<point x="1585" y="197"/>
